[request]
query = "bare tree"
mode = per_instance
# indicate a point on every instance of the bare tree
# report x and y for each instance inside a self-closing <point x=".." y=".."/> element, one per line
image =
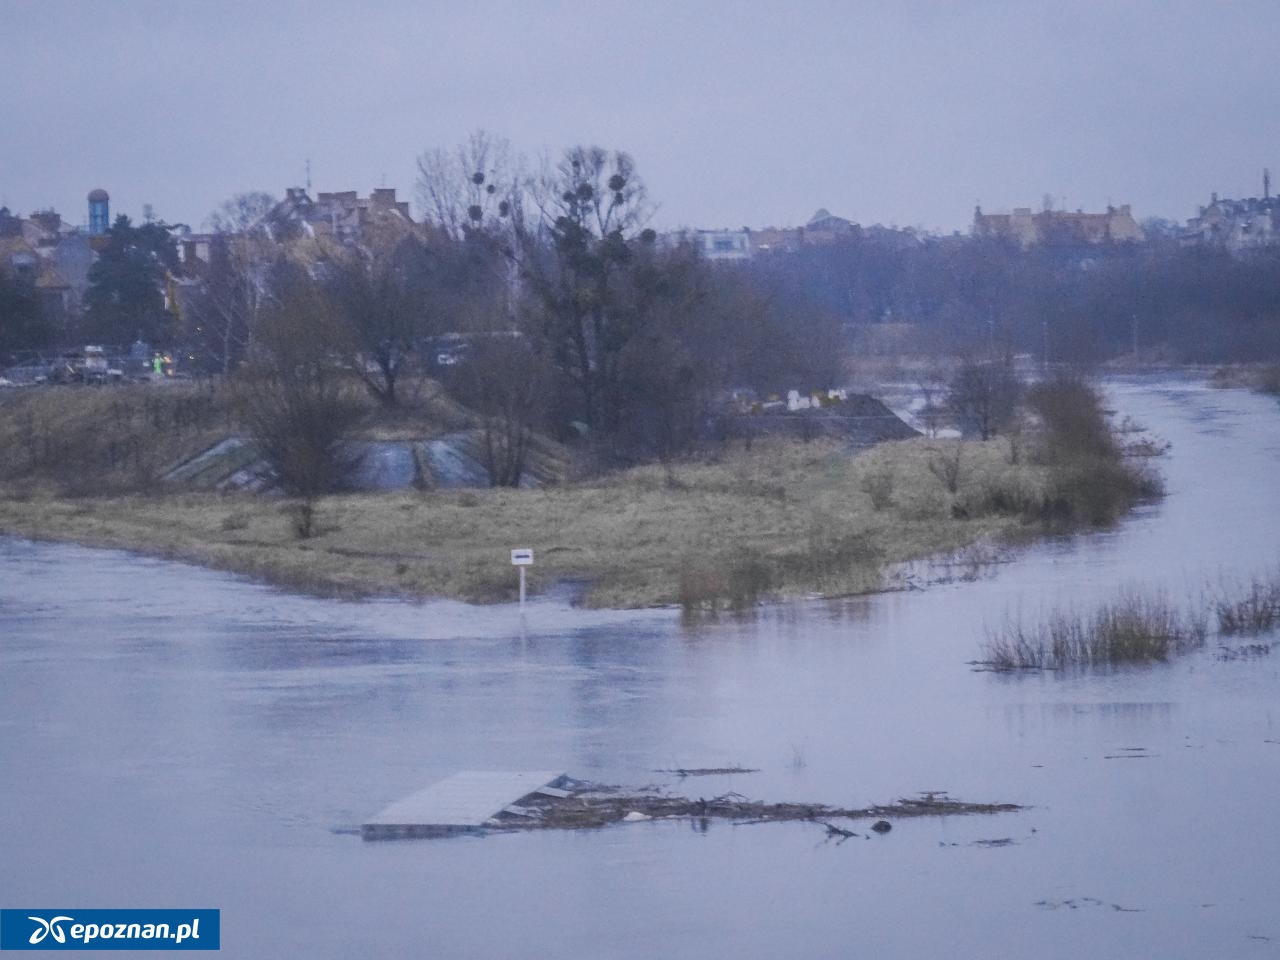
<point x="232" y="291"/>
<point x="244" y="213"/>
<point x="932" y="383"/>
<point x="508" y="385"/>
<point x="474" y="187"/>
<point x="983" y="396"/>
<point x="387" y="301"/>
<point x="592" y="206"/>
<point x="296" y="402"/>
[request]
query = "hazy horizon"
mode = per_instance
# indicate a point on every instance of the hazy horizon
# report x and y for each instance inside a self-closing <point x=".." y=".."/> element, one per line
<point x="903" y="113"/>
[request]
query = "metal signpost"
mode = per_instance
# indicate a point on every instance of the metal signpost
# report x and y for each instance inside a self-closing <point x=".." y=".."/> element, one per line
<point x="522" y="557"/>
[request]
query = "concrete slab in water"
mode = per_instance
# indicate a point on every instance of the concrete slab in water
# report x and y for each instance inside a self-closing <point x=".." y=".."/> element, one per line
<point x="461" y="802"/>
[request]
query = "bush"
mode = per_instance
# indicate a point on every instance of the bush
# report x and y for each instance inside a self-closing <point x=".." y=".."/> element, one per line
<point x="300" y="421"/>
<point x="878" y="485"/>
<point x="946" y="466"/>
<point x="1090" y="480"/>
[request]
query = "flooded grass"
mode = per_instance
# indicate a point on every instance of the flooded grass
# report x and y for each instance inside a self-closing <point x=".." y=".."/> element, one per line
<point x="1138" y="628"/>
<point x="1134" y="628"/>
<point x="1255" y="610"/>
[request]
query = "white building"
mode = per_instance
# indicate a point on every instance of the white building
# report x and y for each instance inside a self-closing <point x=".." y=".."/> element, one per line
<point x="715" y="244"/>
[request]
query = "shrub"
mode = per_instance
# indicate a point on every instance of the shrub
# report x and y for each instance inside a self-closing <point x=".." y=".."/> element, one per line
<point x="1090" y="480"/>
<point x="878" y="485"/>
<point x="945" y="465"/>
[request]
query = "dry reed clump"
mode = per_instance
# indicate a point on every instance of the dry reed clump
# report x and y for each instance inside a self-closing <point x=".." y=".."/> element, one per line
<point x="1257" y="610"/>
<point x="1134" y="628"/>
<point x="82" y="440"/>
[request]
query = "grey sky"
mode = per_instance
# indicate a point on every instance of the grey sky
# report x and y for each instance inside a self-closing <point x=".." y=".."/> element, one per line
<point x="737" y="113"/>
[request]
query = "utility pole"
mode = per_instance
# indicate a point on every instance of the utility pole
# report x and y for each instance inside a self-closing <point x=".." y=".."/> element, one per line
<point x="1044" y="335"/>
<point x="1135" y="338"/>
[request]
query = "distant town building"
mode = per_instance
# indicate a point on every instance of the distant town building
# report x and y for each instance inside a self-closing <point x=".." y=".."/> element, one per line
<point x="344" y="216"/>
<point x="715" y="244"/>
<point x="1058" y="226"/>
<point x="194" y="248"/>
<point x="1237" y="225"/>
<point x="52" y="255"/>
<point x="823" y="228"/>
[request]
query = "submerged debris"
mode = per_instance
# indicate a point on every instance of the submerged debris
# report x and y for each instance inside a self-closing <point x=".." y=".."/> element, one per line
<point x="683" y="772"/>
<point x="1077" y="902"/>
<point x="589" y="805"/>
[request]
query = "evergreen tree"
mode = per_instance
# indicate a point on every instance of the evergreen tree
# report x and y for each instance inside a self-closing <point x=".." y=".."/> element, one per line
<point x="22" y="324"/>
<point x="126" y="297"/>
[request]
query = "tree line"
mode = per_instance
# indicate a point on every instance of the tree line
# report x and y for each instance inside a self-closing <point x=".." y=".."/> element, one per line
<point x="1061" y="300"/>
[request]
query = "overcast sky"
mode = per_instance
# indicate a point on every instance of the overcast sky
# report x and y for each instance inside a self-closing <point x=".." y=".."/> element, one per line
<point x="737" y="114"/>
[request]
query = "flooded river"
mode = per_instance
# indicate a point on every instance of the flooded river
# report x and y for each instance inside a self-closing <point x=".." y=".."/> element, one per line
<point x="172" y="737"/>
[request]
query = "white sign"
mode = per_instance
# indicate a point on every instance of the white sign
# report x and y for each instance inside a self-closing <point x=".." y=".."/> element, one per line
<point x="522" y="557"/>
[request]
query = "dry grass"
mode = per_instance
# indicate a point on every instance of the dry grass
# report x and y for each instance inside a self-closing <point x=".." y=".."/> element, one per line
<point x="78" y="440"/>
<point x="784" y="518"/>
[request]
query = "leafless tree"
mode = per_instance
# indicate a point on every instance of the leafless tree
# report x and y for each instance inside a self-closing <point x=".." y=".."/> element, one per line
<point x="574" y="257"/>
<point x="232" y="288"/>
<point x="476" y="186"/>
<point x="295" y="398"/>
<point x="984" y="396"/>
<point x="243" y="213"/>
<point x="387" y="301"/>
<point x="508" y="385"/>
<point x="932" y="384"/>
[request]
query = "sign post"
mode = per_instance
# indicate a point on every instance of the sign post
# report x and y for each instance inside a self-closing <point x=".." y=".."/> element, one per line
<point x="522" y="557"/>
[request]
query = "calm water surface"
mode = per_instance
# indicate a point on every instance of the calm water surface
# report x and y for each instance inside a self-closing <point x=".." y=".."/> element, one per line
<point x="173" y="737"/>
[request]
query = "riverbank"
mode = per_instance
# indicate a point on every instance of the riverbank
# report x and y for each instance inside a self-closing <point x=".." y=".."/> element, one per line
<point x="1263" y="377"/>
<point x="776" y="517"/>
<point x="781" y="518"/>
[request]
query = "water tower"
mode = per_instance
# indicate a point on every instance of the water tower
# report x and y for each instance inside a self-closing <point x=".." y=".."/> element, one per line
<point x="99" y="212"/>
